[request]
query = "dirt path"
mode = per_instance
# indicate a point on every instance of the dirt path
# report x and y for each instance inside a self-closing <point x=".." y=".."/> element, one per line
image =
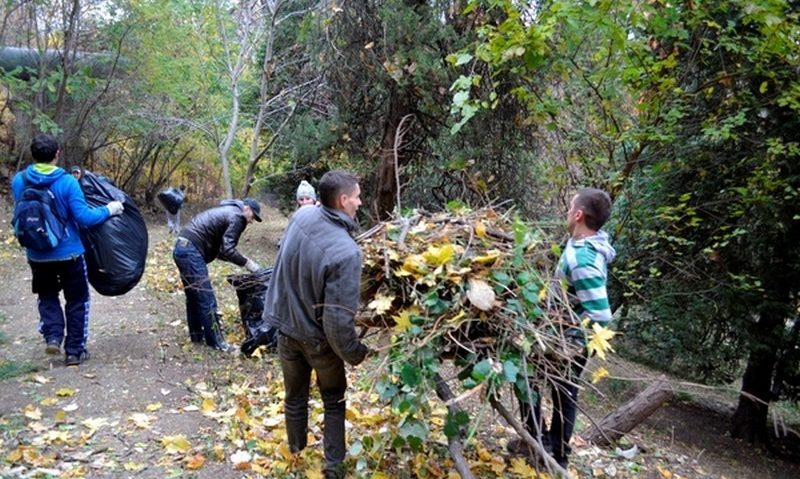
<point x="78" y="420"/>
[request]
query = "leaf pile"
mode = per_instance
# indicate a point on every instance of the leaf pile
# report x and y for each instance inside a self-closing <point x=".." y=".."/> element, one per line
<point x="475" y="286"/>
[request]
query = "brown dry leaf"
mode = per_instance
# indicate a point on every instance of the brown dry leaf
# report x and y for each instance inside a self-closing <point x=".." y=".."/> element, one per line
<point x="194" y="462"/>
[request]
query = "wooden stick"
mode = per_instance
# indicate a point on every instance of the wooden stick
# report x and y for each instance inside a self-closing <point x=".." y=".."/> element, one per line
<point x="550" y="463"/>
<point x="454" y="443"/>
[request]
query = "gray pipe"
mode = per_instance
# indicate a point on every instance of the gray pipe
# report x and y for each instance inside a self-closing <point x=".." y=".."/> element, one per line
<point x="99" y="64"/>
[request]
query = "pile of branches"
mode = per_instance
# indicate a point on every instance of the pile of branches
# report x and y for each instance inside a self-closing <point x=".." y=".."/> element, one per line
<point x="477" y="287"/>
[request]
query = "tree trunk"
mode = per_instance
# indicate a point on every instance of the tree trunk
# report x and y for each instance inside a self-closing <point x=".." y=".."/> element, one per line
<point x="622" y="420"/>
<point x="385" y="181"/>
<point x="750" y="418"/>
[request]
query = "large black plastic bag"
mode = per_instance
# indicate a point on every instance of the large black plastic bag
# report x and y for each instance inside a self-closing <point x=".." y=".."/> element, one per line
<point x="251" y="289"/>
<point x="116" y="249"/>
<point x="172" y="199"/>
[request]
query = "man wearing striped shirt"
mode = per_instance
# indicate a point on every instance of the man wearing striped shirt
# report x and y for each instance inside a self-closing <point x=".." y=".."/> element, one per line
<point x="583" y="266"/>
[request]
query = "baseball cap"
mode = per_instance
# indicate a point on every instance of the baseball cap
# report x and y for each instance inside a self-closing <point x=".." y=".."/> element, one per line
<point x="253" y="204"/>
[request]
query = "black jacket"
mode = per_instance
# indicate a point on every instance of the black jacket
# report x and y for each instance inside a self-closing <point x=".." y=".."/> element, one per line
<point x="315" y="287"/>
<point x="215" y="232"/>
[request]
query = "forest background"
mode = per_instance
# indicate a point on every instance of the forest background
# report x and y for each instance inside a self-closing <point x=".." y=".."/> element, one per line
<point x="687" y="112"/>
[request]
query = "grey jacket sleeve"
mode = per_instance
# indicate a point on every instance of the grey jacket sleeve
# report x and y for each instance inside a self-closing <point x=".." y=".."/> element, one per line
<point x="342" y="290"/>
<point x="227" y="249"/>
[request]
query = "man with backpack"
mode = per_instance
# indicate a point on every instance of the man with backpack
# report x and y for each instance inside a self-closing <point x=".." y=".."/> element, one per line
<point x="49" y="206"/>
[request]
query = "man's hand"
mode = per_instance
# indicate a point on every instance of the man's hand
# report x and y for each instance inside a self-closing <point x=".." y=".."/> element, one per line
<point x="252" y="266"/>
<point x="115" y="208"/>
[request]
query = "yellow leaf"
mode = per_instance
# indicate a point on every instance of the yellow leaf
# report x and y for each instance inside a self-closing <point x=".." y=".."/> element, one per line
<point x="599" y="374"/>
<point x="41" y="379"/>
<point x="381" y="303"/>
<point x="521" y="468"/>
<point x="60" y="416"/>
<point x="413" y="264"/>
<point x="480" y="229"/>
<point x="133" y="467"/>
<point x="207" y="406"/>
<point x="543" y="293"/>
<point x="194" y="462"/>
<point x="48" y="402"/>
<point x="380" y="475"/>
<point x="15" y="455"/>
<point x="487" y="258"/>
<point x="32" y="412"/>
<point x="439" y="255"/>
<point x="403" y="320"/>
<point x="140" y="420"/>
<point x="598" y="340"/>
<point x="665" y="473"/>
<point x="65" y="392"/>
<point x="93" y="424"/>
<point x="153" y="406"/>
<point x="284" y="451"/>
<point x="176" y="444"/>
<point x="313" y="473"/>
<point x="484" y="454"/>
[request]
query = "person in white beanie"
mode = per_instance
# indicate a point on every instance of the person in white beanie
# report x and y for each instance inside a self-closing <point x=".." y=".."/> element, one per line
<point x="305" y="194"/>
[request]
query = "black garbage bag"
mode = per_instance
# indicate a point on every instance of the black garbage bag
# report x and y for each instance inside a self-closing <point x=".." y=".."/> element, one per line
<point x="172" y="199"/>
<point x="117" y="248"/>
<point x="250" y="290"/>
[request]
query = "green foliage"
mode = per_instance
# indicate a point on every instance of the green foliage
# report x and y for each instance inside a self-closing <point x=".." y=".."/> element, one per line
<point x="10" y="369"/>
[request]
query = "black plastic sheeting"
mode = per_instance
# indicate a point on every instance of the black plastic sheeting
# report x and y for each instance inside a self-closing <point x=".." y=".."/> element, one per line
<point x="250" y="290"/>
<point x="116" y="249"/>
<point x="172" y="199"/>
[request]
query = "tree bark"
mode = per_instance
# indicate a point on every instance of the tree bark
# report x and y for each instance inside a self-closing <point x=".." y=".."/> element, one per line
<point x="622" y="420"/>
<point x="750" y="418"/>
<point x="385" y="182"/>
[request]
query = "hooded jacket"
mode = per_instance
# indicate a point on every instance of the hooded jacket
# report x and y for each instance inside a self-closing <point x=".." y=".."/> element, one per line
<point x="71" y="205"/>
<point x="216" y="231"/>
<point x="584" y="265"/>
<point x="314" y="292"/>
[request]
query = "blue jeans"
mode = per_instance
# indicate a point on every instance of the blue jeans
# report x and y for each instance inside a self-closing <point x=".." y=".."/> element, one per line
<point x="49" y="279"/>
<point x="201" y="304"/>
<point x="297" y="361"/>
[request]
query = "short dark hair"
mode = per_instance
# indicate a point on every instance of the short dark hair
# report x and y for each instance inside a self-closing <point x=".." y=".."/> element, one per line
<point x="334" y="183"/>
<point x="44" y="148"/>
<point x="596" y="206"/>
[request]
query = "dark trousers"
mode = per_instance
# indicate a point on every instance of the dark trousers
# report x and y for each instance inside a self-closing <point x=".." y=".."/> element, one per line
<point x="297" y="361"/>
<point x="201" y="304"/>
<point x="49" y="279"/>
<point x="565" y="410"/>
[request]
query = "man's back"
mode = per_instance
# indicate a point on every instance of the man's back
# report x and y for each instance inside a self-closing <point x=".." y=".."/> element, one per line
<point x="315" y="287"/>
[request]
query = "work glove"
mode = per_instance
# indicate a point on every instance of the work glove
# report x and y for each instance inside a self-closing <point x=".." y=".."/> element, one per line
<point x="252" y="266"/>
<point x="115" y="208"/>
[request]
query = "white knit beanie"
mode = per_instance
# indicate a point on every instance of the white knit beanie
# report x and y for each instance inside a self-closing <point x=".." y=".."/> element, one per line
<point x="305" y="189"/>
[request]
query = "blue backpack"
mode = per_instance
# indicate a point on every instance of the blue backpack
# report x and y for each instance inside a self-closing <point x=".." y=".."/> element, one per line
<point x="36" y="221"/>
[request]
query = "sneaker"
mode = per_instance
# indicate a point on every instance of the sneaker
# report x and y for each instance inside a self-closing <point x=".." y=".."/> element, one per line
<point x="53" y="347"/>
<point x="73" y="360"/>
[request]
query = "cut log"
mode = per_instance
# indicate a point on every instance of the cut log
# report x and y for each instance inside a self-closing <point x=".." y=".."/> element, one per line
<point x="622" y="420"/>
<point x="455" y="446"/>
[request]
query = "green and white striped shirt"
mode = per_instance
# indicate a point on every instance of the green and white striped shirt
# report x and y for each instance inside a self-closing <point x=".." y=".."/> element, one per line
<point x="584" y="265"/>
